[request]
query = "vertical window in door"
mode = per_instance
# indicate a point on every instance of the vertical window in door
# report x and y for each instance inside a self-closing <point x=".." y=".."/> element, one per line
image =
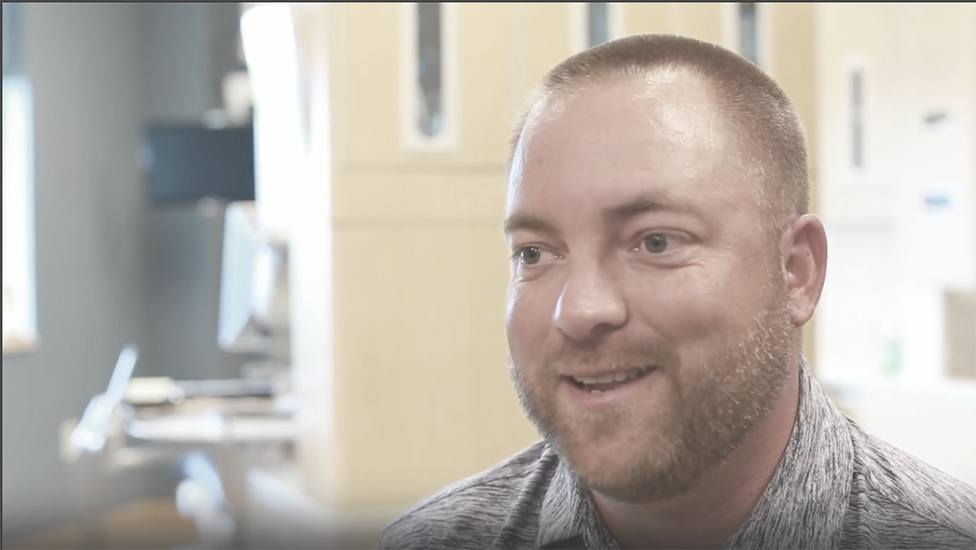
<point x="597" y="23"/>
<point x="428" y="87"/>
<point x="430" y="112"/>
<point x="748" y="31"/>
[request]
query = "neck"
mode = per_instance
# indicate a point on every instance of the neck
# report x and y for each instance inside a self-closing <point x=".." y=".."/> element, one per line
<point x="715" y="508"/>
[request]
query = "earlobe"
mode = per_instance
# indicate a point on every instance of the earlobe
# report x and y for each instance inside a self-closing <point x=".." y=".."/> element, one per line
<point x="805" y="259"/>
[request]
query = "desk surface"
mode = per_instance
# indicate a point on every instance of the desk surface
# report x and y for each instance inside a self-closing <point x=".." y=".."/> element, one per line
<point x="211" y="427"/>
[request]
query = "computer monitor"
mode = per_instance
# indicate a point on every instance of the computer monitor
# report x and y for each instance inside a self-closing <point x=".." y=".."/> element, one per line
<point x="190" y="162"/>
<point x="253" y="286"/>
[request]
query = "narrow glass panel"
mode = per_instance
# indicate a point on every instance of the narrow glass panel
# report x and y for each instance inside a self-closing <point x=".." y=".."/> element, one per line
<point x="857" y="118"/>
<point x="597" y="23"/>
<point x="748" y="32"/>
<point x="11" y="38"/>
<point x="430" y="116"/>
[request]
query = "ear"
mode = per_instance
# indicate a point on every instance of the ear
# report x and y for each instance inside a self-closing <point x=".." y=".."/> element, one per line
<point x="804" y="248"/>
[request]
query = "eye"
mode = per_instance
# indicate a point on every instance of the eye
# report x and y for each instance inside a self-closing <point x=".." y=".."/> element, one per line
<point x="529" y="255"/>
<point x="656" y="243"/>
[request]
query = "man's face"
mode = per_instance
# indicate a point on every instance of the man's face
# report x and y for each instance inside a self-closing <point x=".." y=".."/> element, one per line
<point x="647" y="319"/>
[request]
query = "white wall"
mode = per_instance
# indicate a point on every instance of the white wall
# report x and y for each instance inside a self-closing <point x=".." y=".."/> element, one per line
<point x="880" y="329"/>
<point x="889" y="257"/>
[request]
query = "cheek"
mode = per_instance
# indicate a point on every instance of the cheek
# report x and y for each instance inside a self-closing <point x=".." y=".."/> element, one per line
<point x="528" y="318"/>
<point x="697" y="306"/>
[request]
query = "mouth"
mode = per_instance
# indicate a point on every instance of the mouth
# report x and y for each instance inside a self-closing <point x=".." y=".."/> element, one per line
<point x="610" y="381"/>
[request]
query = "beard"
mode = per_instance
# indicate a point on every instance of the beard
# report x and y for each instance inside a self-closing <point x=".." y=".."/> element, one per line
<point x="717" y="401"/>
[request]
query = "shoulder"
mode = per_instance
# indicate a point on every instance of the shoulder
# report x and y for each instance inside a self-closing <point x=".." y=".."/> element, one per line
<point x="469" y="513"/>
<point x="901" y="501"/>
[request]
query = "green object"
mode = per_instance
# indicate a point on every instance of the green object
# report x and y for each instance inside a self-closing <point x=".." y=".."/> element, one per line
<point x="891" y="361"/>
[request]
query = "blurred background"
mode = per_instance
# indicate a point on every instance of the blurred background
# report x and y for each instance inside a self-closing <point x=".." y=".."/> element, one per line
<point x="253" y="267"/>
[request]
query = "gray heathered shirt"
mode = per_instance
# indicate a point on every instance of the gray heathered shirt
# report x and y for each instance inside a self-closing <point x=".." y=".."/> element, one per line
<point x="835" y="486"/>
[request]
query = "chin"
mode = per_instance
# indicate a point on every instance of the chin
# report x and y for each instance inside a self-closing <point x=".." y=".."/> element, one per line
<point x="640" y="484"/>
<point x="617" y="480"/>
<point x="635" y="468"/>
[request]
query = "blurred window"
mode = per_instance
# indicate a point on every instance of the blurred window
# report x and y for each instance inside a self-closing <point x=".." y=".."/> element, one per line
<point x="430" y="116"/>
<point x="748" y="31"/>
<point x="428" y="87"/>
<point x="593" y="23"/>
<point x="597" y="23"/>
<point x="18" y="219"/>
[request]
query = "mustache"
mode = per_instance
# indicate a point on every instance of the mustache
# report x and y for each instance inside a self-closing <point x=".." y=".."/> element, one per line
<point x="619" y="356"/>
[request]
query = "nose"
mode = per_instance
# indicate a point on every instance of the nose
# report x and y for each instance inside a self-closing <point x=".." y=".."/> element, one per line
<point x="589" y="306"/>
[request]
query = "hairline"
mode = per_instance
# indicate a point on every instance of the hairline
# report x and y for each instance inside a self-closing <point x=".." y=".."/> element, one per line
<point x="544" y="98"/>
<point x="772" y="166"/>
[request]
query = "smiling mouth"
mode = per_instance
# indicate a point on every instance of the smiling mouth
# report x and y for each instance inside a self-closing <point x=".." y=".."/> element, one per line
<point x="609" y="381"/>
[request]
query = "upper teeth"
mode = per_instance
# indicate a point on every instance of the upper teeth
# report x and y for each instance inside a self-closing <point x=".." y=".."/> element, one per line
<point x="621" y="376"/>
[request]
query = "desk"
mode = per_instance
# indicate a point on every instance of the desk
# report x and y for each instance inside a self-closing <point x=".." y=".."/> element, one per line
<point x="236" y="433"/>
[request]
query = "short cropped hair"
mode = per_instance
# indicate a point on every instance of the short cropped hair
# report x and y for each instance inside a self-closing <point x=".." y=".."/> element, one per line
<point x="751" y="99"/>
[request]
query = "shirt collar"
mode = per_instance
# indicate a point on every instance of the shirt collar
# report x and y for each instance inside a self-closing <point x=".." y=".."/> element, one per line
<point x="568" y="518"/>
<point x="805" y="502"/>
<point x="813" y="477"/>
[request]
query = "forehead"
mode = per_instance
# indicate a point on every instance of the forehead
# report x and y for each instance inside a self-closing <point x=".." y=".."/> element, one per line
<point x="662" y="134"/>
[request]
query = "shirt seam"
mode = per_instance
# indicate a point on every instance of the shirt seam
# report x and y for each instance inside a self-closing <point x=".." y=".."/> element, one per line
<point x="882" y="492"/>
<point x="944" y="525"/>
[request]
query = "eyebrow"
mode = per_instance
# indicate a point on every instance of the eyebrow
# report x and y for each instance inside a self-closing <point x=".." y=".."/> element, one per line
<point x="643" y="204"/>
<point x="617" y="214"/>
<point x="527" y="222"/>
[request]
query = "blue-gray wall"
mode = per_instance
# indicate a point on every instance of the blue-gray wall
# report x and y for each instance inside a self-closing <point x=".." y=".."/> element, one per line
<point x="110" y="268"/>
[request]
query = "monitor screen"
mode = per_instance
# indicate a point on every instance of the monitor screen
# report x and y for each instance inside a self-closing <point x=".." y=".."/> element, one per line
<point x="187" y="163"/>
